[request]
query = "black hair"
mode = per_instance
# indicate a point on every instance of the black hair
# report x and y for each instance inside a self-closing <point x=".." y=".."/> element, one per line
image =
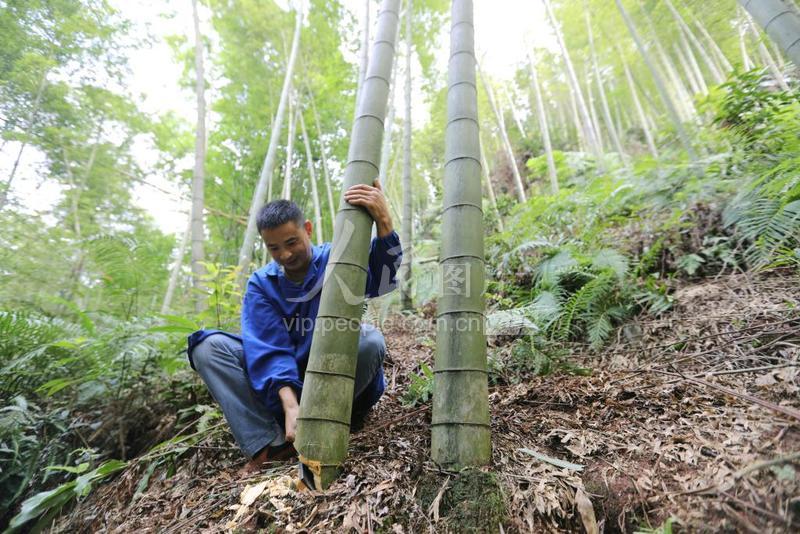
<point x="277" y="213"/>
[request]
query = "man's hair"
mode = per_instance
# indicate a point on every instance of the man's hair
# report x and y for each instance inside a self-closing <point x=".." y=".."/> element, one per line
<point x="277" y="213"/>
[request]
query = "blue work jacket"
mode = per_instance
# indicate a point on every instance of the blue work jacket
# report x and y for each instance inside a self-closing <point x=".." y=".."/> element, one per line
<point x="278" y="319"/>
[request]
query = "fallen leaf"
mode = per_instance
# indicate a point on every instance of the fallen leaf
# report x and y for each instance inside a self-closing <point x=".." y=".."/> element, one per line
<point x="586" y="510"/>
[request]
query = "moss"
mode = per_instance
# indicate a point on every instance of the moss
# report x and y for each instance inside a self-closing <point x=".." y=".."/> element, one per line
<point x="472" y="502"/>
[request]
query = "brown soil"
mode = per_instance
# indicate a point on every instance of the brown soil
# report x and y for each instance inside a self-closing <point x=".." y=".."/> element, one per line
<point x="654" y="434"/>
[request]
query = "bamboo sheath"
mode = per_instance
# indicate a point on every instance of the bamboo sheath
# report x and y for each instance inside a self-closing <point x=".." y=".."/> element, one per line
<point x="460" y="434"/>
<point x="323" y="427"/>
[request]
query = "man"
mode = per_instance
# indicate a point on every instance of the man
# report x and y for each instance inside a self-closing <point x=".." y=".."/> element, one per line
<point x="257" y="378"/>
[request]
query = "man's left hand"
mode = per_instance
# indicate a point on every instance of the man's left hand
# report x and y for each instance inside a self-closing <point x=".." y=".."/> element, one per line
<point x="373" y="200"/>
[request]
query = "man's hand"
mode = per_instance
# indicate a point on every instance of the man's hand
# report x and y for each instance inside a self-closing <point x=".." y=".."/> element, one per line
<point x="291" y="410"/>
<point x="372" y="199"/>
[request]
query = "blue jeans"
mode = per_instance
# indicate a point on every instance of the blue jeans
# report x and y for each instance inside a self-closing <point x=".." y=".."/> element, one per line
<point x="219" y="359"/>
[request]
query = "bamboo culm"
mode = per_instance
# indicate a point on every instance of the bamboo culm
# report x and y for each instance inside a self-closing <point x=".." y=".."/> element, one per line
<point x="460" y="431"/>
<point x="323" y="426"/>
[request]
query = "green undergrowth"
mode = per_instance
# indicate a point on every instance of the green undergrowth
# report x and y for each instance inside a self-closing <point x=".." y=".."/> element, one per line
<point x="574" y="266"/>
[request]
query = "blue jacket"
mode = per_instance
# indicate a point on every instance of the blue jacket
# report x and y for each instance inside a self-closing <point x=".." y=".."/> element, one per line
<point x="278" y="319"/>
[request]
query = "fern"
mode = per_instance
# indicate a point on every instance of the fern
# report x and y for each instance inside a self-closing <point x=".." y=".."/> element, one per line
<point x="769" y="226"/>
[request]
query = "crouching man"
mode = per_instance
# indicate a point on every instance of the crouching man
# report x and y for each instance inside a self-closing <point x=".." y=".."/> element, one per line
<point x="257" y="378"/>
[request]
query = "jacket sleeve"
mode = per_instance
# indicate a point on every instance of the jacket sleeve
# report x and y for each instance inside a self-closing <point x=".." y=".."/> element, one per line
<point x="385" y="254"/>
<point x="268" y="350"/>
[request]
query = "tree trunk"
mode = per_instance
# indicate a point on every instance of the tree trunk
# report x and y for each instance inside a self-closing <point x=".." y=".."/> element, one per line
<point x="323" y="427"/>
<point x="680" y="96"/>
<point x="781" y="21"/>
<point x="406" y="300"/>
<point x="698" y="73"/>
<point x="723" y="65"/>
<point x="580" y="132"/>
<point x="686" y="32"/>
<point x="246" y="252"/>
<point x="543" y="127"/>
<point x="199" y="174"/>
<point x="747" y="62"/>
<point x="694" y="85"/>
<point x="313" y="177"/>
<point x="767" y="59"/>
<point x="651" y="144"/>
<point x="460" y="431"/>
<point x="325" y="171"/>
<point x="612" y="131"/>
<point x="287" y="170"/>
<point x="175" y="273"/>
<point x="593" y="107"/>
<point x="386" y="151"/>
<point x="490" y="189"/>
<point x="501" y="125"/>
<point x="31" y="123"/>
<point x="514" y="113"/>
<point x="660" y="86"/>
<point x="589" y="134"/>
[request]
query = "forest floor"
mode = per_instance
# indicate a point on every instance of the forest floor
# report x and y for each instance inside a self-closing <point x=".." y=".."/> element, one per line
<point x="691" y="416"/>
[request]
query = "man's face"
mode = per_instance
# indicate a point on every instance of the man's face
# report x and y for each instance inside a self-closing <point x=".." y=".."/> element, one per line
<point x="290" y="246"/>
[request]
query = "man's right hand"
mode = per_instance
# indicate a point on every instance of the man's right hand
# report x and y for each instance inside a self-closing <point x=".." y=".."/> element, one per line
<point x="291" y="409"/>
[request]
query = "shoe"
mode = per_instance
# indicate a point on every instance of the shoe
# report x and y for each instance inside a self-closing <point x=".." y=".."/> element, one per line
<point x="277" y="453"/>
<point x="358" y="419"/>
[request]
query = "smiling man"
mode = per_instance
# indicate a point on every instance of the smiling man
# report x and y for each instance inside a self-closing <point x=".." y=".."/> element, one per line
<point x="257" y="377"/>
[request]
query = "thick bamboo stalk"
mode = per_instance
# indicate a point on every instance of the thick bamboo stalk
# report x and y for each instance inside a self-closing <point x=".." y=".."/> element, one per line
<point x="199" y="174"/>
<point x="406" y="300"/>
<point x="781" y="21"/>
<point x="460" y="432"/>
<point x="543" y="127"/>
<point x="246" y="252"/>
<point x="312" y="176"/>
<point x="323" y="427"/>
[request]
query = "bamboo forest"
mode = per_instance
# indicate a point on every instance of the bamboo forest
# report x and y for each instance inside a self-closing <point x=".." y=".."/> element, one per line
<point x="400" y="266"/>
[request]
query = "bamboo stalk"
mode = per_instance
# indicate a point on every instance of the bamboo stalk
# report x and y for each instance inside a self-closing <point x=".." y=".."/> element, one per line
<point x="323" y="427"/>
<point x="460" y="431"/>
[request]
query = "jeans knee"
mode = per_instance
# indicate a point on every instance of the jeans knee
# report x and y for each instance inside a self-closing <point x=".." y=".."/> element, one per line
<point x="210" y="351"/>
<point x="372" y="344"/>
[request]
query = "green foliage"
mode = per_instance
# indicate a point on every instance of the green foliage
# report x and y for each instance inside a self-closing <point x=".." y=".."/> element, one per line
<point x="43" y="506"/>
<point x="765" y="126"/>
<point x="420" y="390"/>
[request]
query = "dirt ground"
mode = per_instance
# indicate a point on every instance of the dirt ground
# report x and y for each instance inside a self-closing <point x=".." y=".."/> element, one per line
<point x="690" y="419"/>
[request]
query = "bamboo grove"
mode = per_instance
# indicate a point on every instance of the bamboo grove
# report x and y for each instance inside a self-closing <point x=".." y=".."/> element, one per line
<point x="513" y="194"/>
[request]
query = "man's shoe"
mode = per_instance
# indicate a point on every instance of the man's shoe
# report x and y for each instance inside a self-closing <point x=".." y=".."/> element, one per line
<point x="277" y="453"/>
<point x="358" y="419"/>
